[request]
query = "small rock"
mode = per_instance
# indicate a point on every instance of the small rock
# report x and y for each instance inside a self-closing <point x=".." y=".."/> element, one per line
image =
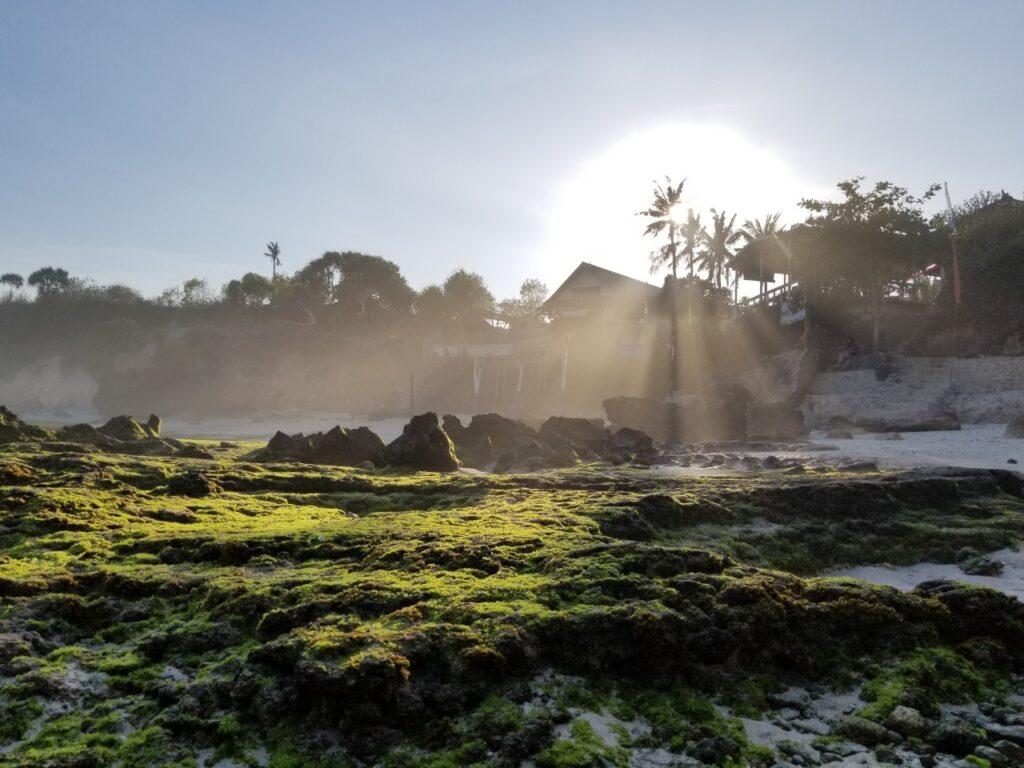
<point x="1010" y="750"/>
<point x="907" y="721"/>
<point x="862" y="731"/>
<point x="956" y="737"/>
<point x="995" y="758"/>
<point x="1011" y="461"/>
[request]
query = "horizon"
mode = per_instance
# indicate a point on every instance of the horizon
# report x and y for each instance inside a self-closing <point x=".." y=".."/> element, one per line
<point x="151" y="144"/>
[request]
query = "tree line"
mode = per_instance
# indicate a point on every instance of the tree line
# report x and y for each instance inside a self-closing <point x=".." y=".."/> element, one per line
<point x="342" y="285"/>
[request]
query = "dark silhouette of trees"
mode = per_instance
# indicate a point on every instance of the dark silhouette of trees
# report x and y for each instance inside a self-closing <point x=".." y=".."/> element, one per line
<point x="429" y="305"/>
<point x="49" y="281"/>
<point x="718" y="246"/>
<point x="532" y="294"/>
<point x="866" y="243"/>
<point x="14" y="280"/>
<point x="466" y="296"/>
<point x="665" y="212"/>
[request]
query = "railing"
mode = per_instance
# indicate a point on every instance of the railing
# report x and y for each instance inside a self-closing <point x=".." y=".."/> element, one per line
<point x="768" y="297"/>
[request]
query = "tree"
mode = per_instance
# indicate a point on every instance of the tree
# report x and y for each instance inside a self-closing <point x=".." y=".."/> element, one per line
<point x="867" y="242"/>
<point x="370" y="286"/>
<point x="532" y="294"/>
<point x="273" y="253"/>
<point x="14" y="280"/>
<point x="316" y="281"/>
<point x="255" y="289"/>
<point x="49" y="281"/>
<point x="466" y="295"/>
<point x="430" y="304"/>
<point x="194" y="292"/>
<point x="666" y="214"/>
<point x="758" y="228"/>
<point x="693" y="234"/>
<point x="718" y="246"/>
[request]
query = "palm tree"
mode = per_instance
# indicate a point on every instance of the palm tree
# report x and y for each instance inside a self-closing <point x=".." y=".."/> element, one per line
<point x="693" y="235"/>
<point x="273" y="253"/>
<point x="756" y="229"/>
<point x="665" y="212"/>
<point x="718" y="245"/>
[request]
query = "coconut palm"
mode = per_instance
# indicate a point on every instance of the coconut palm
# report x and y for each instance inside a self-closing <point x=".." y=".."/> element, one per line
<point x="273" y="253"/>
<point x="665" y="213"/>
<point x="718" y="245"/>
<point x="693" y="235"/>
<point x="756" y="229"/>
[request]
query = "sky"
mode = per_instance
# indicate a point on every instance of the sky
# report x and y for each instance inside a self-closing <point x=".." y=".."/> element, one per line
<point x="149" y="142"/>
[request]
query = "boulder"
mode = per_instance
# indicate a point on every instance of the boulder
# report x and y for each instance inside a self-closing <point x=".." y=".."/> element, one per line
<point x="653" y="418"/>
<point x="346" y="447"/>
<point x="861" y="730"/>
<point x="935" y="421"/>
<point x="907" y="721"/>
<point x="153" y="425"/>
<point x="123" y="428"/>
<point x="14" y="430"/>
<point x="488" y="435"/>
<point x="338" y="447"/>
<point x="633" y="440"/>
<point x="774" y="421"/>
<point x="957" y="737"/>
<point x="423" y="445"/>
<point x="1015" y="429"/>
<point x="560" y="431"/>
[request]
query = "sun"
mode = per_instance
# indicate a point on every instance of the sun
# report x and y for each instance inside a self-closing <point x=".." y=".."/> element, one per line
<point x="593" y="215"/>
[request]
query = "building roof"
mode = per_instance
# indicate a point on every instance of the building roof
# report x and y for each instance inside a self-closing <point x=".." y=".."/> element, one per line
<point x="766" y="255"/>
<point x="602" y="276"/>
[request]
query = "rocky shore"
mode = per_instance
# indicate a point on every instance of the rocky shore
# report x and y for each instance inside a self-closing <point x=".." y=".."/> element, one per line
<point x="233" y="604"/>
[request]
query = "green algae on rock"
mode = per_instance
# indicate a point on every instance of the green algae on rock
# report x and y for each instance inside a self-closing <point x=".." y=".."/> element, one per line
<point x="336" y="616"/>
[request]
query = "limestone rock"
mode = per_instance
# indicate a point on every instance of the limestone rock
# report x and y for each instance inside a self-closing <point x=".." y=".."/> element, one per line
<point x="423" y="445"/>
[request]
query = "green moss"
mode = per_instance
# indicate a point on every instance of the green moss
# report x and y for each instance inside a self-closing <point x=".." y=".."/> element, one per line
<point x="585" y="749"/>
<point x="926" y="678"/>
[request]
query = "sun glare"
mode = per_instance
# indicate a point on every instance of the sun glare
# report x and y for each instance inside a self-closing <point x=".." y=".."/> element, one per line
<point x="593" y="215"/>
<point x="678" y="214"/>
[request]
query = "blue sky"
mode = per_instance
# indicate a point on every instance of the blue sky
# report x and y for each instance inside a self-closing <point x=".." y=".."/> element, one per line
<point x="148" y="142"/>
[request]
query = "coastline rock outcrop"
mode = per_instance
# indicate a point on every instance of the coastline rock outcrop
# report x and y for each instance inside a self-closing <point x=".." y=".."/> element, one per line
<point x="14" y="430"/>
<point x="338" y="447"/>
<point x="423" y="445"/>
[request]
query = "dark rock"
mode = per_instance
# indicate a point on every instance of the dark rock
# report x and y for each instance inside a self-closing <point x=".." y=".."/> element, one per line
<point x="861" y="730"/>
<point x="193" y="484"/>
<point x="503" y="464"/>
<point x="560" y="431"/>
<point x="957" y="737"/>
<point x="153" y="425"/>
<point x="664" y="511"/>
<point x="14" y="430"/>
<point x="995" y="758"/>
<point x="633" y="440"/>
<point x="774" y="421"/>
<point x="932" y="422"/>
<point x="423" y="445"/>
<point x="123" y="428"/>
<point x="346" y="447"/>
<point x="192" y="451"/>
<point x="981" y="566"/>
